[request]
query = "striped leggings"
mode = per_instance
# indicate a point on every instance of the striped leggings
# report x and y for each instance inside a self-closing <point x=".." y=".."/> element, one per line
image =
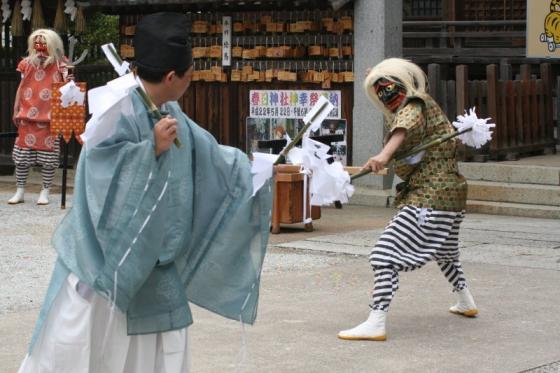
<point x="24" y="158"/>
<point x="414" y="237"/>
<point x="22" y="171"/>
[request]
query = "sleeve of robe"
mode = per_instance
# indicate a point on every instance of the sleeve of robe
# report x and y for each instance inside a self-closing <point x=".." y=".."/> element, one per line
<point x="119" y="187"/>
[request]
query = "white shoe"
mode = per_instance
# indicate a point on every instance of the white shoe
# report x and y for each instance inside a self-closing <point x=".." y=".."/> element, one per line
<point x="466" y="305"/>
<point x="373" y="329"/>
<point x="43" y="197"/>
<point x="18" y="197"/>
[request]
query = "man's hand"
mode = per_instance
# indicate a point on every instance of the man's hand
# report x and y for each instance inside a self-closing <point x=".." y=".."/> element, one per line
<point x="376" y="163"/>
<point x="165" y="132"/>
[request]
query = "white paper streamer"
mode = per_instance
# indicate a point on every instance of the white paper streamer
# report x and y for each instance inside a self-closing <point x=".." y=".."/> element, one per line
<point x="329" y="182"/>
<point x="71" y="94"/>
<point x="70" y="9"/>
<point x="262" y="169"/>
<point x="316" y="123"/>
<point x="121" y="69"/>
<point x="26" y="9"/>
<point x="107" y="104"/>
<point x="6" y="11"/>
<point x="480" y="133"/>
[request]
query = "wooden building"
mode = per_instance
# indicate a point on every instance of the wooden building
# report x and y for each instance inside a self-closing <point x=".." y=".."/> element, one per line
<point x="308" y="45"/>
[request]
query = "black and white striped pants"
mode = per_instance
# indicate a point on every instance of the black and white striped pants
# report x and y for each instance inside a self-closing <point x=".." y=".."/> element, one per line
<point x="25" y="158"/>
<point x="414" y="237"/>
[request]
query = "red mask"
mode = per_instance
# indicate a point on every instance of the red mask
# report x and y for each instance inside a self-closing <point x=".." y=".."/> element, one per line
<point x="391" y="93"/>
<point x="41" y="47"/>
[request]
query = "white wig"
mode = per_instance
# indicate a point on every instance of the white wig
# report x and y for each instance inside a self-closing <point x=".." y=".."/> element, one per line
<point x="395" y="69"/>
<point x="55" y="47"/>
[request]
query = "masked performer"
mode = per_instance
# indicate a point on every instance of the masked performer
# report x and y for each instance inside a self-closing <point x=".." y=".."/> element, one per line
<point x="431" y="200"/>
<point x="152" y="226"/>
<point x="35" y="145"/>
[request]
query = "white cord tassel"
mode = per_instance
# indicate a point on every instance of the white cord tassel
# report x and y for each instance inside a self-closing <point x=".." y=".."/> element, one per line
<point x="480" y="132"/>
<point x="70" y="9"/>
<point x="26" y="10"/>
<point x="6" y="11"/>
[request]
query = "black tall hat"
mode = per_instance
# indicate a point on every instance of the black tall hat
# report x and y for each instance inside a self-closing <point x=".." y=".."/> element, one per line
<point x="161" y="43"/>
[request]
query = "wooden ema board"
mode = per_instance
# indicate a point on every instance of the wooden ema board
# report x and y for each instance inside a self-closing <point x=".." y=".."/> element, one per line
<point x="65" y="121"/>
<point x="287" y="205"/>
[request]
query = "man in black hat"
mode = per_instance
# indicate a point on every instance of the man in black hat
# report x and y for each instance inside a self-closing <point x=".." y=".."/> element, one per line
<point x="164" y="64"/>
<point x="152" y="227"/>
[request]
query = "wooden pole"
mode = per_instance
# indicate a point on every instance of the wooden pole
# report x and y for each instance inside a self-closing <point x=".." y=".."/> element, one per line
<point x="525" y="72"/>
<point x="462" y="93"/>
<point x="546" y="76"/>
<point x="64" y="172"/>
<point x="434" y="79"/>
<point x="492" y="78"/>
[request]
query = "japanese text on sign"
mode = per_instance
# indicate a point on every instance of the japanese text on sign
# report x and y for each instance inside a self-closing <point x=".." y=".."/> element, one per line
<point x="226" y="41"/>
<point x="290" y="104"/>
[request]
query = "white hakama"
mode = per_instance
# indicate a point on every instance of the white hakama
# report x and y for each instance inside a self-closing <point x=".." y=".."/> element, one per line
<point x="72" y="340"/>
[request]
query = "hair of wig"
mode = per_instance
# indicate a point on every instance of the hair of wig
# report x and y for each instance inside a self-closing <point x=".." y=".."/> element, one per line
<point x="399" y="70"/>
<point x="55" y="47"/>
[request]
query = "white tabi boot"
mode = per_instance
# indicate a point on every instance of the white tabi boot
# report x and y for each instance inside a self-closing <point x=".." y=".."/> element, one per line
<point x="373" y="329"/>
<point x="465" y="306"/>
<point x="43" y="197"/>
<point x="18" y="197"/>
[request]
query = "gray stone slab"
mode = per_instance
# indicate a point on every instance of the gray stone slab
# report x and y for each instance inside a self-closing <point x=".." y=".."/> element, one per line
<point x="517" y="242"/>
<point x="548" y="195"/>
<point x="529" y="174"/>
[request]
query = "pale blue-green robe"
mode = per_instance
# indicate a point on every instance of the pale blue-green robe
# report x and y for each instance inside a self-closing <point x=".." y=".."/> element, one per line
<point x="178" y="228"/>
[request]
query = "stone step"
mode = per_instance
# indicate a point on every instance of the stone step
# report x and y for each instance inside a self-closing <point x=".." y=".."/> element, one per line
<point x="513" y="209"/>
<point x="506" y="173"/>
<point x="548" y="195"/>
<point x="367" y="196"/>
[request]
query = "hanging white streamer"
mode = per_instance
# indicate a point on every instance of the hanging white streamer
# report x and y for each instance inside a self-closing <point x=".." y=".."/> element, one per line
<point x="329" y="182"/>
<point x="70" y="9"/>
<point x="71" y="93"/>
<point x="480" y="133"/>
<point x="26" y="9"/>
<point x="262" y="169"/>
<point x="6" y="11"/>
<point x="107" y="104"/>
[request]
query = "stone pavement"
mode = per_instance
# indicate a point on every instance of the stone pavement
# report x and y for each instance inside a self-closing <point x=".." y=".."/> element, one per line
<point x="315" y="284"/>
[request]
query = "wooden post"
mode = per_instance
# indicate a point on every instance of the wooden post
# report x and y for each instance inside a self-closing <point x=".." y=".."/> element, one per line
<point x="525" y="72"/>
<point x="558" y="110"/>
<point x="546" y="76"/>
<point x="434" y="78"/>
<point x="462" y="78"/>
<point x="64" y="172"/>
<point x="517" y="108"/>
<point x="492" y="78"/>
<point x="275" y="222"/>
<point x="534" y="112"/>
<point x="509" y="109"/>
<point x="505" y="71"/>
<point x="462" y="93"/>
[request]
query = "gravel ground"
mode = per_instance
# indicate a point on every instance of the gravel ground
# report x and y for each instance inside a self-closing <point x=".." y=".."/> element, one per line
<point x="27" y="257"/>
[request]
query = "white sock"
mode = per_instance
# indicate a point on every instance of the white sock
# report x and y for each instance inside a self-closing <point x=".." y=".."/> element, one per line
<point x="18" y="197"/>
<point x="465" y="306"/>
<point x="43" y="197"/>
<point x="372" y="329"/>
